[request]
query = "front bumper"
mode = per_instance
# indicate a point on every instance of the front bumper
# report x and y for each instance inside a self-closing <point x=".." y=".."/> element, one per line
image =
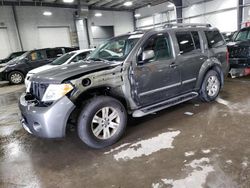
<point x="239" y="62"/>
<point x="46" y="122"/>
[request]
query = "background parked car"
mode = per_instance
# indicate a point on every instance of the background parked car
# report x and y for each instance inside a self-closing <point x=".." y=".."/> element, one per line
<point x="16" y="70"/>
<point x="229" y="36"/>
<point x="239" y="49"/>
<point x="68" y="58"/>
<point x="12" y="56"/>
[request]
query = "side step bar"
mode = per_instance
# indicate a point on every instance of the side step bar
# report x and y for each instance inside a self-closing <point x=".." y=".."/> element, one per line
<point x="164" y="104"/>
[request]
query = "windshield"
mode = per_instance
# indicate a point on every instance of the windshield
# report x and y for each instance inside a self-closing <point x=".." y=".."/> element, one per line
<point x="116" y="49"/>
<point x="19" y="57"/>
<point x="243" y="35"/>
<point x="23" y="56"/>
<point x="61" y="60"/>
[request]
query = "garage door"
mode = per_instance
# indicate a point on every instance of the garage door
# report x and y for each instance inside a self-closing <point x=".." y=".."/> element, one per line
<point x="53" y="37"/>
<point x="5" y="49"/>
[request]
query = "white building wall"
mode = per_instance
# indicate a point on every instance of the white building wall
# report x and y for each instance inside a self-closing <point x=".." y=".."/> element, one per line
<point x="218" y="13"/>
<point x="155" y="15"/>
<point x="122" y="22"/>
<point x="30" y="18"/>
<point x="7" y="21"/>
<point x="246" y="12"/>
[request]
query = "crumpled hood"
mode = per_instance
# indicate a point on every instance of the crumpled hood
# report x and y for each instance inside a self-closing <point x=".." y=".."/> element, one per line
<point x="59" y="74"/>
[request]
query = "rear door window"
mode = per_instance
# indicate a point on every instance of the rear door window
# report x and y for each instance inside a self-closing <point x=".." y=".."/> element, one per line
<point x="214" y="39"/>
<point x="185" y="42"/>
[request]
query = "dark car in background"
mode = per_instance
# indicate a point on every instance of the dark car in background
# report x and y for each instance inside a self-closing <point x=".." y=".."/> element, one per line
<point x="11" y="56"/>
<point x="229" y="36"/>
<point x="16" y="69"/>
<point x="239" y="49"/>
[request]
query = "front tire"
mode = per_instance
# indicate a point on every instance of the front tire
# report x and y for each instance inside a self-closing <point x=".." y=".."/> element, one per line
<point x="211" y="86"/>
<point x="16" y="77"/>
<point x="102" y="122"/>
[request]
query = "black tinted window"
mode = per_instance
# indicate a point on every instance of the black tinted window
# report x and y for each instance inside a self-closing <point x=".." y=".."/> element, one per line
<point x="53" y="53"/>
<point x="185" y="42"/>
<point x="214" y="39"/>
<point x="196" y="39"/>
<point x="160" y="45"/>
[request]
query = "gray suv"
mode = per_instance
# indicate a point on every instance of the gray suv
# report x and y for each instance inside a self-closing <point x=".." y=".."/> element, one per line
<point x="134" y="74"/>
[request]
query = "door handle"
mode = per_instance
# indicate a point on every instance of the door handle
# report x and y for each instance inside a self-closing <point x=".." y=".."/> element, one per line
<point x="173" y="65"/>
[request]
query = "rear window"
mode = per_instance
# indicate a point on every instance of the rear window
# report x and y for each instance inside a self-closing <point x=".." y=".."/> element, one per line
<point x="185" y="42"/>
<point x="214" y="39"/>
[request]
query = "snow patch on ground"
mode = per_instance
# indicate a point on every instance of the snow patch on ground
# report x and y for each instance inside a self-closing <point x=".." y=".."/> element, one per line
<point x="222" y="101"/>
<point x="145" y="147"/>
<point x="206" y="151"/>
<point x="201" y="169"/>
<point x="241" y="108"/>
<point x="229" y="161"/>
<point x="189" y="153"/>
<point x="189" y="113"/>
<point x="244" y="164"/>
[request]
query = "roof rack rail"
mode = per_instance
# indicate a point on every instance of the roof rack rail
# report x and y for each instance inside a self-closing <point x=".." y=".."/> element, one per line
<point x="170" y="25"/>
<point x="137" y="31"/>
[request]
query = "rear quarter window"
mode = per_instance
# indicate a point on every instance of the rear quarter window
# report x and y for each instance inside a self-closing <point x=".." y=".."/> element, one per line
<point x="214" y="39"/>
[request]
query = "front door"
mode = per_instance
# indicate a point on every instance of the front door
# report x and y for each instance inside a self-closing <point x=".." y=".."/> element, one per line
<point x="158" y="78"/>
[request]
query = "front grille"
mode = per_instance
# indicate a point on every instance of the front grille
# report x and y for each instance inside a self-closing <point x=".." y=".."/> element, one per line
<point x="238" y="52"/>
<point x="38" y="90"/>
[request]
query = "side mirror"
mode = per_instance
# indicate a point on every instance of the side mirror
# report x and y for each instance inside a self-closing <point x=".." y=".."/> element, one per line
<point x="148" y="55"/>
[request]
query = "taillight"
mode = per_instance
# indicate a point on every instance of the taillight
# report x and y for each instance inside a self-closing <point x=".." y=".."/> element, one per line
<point x="227" y="56"/>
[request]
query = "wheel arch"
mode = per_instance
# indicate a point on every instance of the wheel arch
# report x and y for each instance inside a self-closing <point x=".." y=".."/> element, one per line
<point x="99" y="91"/>
<point x="207" y="66"/>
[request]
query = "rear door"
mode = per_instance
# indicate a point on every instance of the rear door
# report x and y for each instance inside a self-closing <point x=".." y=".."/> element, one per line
<point x="190" y="58"/>
<point x="158" y="78"/>
<point x="217" y="48"/>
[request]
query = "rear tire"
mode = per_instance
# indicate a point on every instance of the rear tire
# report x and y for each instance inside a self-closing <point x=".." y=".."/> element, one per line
<point x="16" y="77"/>
<point x="211" y="86"/>
<point x="102" y="122"/>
